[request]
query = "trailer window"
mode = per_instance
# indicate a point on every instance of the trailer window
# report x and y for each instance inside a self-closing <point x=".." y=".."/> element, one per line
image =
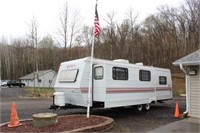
<point x="162" y="80"/>
<point x="98" y="72"/>
<point x="120" y="73"/>
<point x="145" y="75"/>
<point x="68" y="75"/>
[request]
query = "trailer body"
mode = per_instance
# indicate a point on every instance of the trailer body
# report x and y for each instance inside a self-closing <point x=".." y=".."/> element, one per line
<point x="115" y="83"/>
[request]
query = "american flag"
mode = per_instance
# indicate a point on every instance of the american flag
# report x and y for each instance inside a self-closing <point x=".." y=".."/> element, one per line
<point x="96" y="23"/>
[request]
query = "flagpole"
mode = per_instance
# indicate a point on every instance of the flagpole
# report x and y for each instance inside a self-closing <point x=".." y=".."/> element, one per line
<point x="90" y="79"/>
<point x="91" y="68"/>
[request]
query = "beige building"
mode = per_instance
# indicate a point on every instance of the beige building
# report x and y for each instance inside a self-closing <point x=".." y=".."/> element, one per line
<point x="190" y="66"/>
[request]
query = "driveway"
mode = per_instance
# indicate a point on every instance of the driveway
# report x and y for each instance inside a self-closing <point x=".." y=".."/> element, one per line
<point x="11" y="93"/>
<point x="125" y="119"/>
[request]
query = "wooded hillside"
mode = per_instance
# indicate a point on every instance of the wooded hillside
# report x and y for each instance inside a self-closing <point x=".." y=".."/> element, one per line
<point x="159" y="40"/>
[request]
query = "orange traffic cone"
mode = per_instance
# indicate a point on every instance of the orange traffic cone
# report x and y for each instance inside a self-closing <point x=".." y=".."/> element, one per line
<point x="176" y="114"/>
<point x="14" y="120"/>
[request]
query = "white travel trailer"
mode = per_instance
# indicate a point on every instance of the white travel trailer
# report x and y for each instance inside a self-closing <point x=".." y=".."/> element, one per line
<point x="114" y="84"/>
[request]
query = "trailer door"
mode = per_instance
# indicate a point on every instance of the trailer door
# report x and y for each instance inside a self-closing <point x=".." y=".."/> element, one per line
<point x="99" y="83"/>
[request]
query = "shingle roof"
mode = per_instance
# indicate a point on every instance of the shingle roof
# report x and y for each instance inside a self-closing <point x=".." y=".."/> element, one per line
<point x="191" y="59"/>
<point x="33" y="75"/>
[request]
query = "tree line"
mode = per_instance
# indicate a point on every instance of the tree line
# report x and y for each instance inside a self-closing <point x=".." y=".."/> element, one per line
<point x="158" y="40"/>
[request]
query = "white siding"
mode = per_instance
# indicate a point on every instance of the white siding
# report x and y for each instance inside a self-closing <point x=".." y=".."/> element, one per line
<point x="195" y="96"/>
<point x="45" y="79"/>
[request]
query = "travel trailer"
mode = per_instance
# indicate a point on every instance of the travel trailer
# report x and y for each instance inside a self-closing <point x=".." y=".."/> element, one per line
<point x="115" y="83"/>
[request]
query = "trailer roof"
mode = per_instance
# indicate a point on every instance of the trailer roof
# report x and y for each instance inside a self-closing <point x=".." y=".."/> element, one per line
<point x="123" y="63"/>
<point x="111" y="62"/>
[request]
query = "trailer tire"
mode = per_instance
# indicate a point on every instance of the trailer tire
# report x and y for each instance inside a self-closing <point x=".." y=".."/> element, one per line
<point x="147" y="106"/>
<point x="139" y="108"/>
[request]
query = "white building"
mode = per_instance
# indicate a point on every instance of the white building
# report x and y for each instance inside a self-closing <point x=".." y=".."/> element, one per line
<point x="45" y="78"/>
<point x="190" y="66"/>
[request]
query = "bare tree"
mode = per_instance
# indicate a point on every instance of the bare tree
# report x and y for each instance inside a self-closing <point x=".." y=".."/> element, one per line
<point x="34" y="43"/>
<point x="47" y="53"/>
<point x="162" y="38"/>
<point x="70" y="23"/>
<point x="5" y="59"/>
<point x="109" y="35"/>
<point x="63" y="28"/>
<point x="75" y="27"/>
<point x="134" y="27"/>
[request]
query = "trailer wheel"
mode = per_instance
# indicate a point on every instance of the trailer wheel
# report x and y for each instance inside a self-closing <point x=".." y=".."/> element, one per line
<point x="139" y="108"/>
<point x="147" y="107"/>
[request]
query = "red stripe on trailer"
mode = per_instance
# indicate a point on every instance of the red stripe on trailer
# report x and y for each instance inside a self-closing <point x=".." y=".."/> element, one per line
<point x="84" y="90"/>
<point x="129" y="90"/>
<point x="163" y="88"/>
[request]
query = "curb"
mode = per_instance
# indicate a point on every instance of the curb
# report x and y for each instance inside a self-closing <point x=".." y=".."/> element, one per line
<point x="108" y="124"/>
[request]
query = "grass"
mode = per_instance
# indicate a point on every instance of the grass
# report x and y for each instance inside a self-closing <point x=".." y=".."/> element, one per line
<point x="42" y="92"/>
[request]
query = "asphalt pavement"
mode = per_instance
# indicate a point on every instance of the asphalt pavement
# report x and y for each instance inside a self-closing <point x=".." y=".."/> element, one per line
<point x="188" y="125"/>
<point x="125" y="119"/>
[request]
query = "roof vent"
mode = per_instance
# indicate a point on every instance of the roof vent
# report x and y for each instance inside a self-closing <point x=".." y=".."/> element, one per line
<point x="122" y="61"/>
<point x="139" y="64"/>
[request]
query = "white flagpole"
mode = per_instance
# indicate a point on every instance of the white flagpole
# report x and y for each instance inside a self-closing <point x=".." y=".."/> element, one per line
<point x="90" y="79"/>
<point x="91" y="67"/>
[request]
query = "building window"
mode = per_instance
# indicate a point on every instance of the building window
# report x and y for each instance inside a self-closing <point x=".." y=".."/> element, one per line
<point x="120" y="73"/>
<point x="39" y="80"/>
<point x="98" y="73"/>
<point x="162" y="80"/>
<point x="145" y="75"/>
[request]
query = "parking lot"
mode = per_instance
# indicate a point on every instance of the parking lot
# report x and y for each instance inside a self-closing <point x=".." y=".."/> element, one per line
<point x="125" y="119"/>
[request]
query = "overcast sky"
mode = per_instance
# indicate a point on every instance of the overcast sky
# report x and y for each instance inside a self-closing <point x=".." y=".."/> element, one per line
<point x="17" y="14"/>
